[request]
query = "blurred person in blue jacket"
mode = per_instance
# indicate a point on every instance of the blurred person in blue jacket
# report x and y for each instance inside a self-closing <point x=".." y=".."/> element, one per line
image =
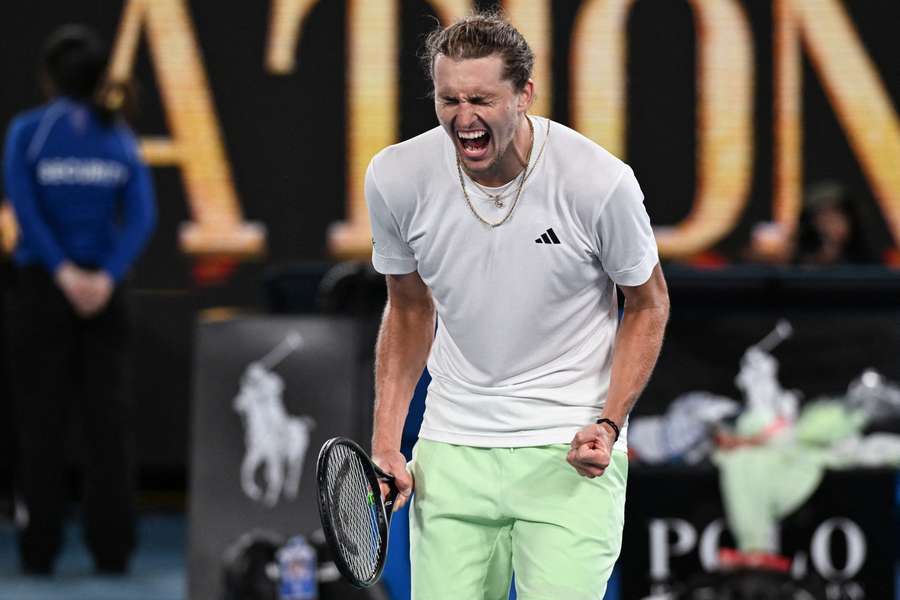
<point x="84" y="202"/>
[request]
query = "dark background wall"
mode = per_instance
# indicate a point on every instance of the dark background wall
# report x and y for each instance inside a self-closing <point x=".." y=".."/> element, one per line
<point x="285" y="139"/>
<point x="285" y="135"/>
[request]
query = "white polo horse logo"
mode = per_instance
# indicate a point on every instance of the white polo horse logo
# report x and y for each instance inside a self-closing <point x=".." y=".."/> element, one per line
<point x="275" y="440"/>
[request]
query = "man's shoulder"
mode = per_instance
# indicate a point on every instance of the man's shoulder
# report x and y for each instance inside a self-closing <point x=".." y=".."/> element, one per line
<point x="580" y="152"/>
<point x="589" y="170"/>
<point x="411" y="157"/>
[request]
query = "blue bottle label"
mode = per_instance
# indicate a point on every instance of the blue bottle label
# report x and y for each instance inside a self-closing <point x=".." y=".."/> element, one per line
<point x="297" y="563"/>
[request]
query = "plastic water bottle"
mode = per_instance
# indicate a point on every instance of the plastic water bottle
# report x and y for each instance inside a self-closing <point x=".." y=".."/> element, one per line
<point x="297" y="564"/>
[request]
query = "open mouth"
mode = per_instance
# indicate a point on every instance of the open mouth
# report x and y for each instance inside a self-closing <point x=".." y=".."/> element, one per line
<point x="474" y="142"/>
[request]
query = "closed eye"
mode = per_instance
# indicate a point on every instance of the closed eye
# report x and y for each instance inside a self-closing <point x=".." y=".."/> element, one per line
<point x="477" y="100"/>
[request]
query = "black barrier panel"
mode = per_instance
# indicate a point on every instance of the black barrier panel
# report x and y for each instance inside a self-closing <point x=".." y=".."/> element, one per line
<point x="267" y="393"/>
<point x="845" y="535"/>
<point x="829" y="348"/>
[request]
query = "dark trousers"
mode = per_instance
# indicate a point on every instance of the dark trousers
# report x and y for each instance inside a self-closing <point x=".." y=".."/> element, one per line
<point x="65" y="367"/>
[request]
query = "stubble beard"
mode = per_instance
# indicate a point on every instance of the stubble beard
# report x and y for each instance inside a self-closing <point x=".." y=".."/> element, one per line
<point x="498" y="157"/>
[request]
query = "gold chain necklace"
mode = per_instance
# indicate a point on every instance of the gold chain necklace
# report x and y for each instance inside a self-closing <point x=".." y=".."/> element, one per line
<point x="497" y="199"/>
<point x="525" y="174"/>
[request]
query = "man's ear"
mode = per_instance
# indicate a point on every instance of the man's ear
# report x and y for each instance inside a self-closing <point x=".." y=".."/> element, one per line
<point x="526" y="96"/>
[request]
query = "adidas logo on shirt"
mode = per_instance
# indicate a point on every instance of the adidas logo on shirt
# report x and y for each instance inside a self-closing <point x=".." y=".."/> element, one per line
<point x="548" y="237"/>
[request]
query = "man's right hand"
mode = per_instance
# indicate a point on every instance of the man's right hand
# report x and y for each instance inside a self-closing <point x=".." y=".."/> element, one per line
<point x="394" y="463"/>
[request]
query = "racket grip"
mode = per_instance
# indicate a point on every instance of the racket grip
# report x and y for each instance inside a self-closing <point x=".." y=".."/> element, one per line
<point x="391" y="497"/>
<point x="392" y="493"/>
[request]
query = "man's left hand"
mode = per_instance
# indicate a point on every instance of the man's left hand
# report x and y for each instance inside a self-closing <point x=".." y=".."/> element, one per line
<point x="591" y="450"/>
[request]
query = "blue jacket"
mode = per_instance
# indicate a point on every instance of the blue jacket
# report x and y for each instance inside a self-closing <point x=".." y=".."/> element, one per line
<point x="79" y="189"/>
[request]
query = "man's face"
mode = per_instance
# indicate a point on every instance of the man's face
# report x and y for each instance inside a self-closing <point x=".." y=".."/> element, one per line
<point x="477" y="108"/>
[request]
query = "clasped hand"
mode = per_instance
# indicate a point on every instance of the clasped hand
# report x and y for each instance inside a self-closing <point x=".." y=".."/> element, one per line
<point x="87" y="291"/>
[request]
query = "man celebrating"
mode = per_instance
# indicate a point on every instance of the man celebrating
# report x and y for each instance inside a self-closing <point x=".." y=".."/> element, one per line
<point x="513" y="231"/>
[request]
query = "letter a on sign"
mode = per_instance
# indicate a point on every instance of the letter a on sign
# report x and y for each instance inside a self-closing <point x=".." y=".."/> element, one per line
<point x="218" y="227"/>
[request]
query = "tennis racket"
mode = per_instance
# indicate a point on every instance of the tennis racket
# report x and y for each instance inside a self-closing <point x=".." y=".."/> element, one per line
<point x="355" y="518"/>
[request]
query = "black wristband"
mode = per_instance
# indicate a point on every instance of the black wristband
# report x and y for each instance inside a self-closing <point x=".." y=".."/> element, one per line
<point x="612" y="424"/>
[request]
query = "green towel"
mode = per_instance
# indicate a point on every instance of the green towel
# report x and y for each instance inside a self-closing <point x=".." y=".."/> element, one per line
<point x="826" y="422"/>
<point x="761" y="485"/>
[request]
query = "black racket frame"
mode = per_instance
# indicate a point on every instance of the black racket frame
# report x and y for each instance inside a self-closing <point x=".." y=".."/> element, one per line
<point x="384" y="507"/>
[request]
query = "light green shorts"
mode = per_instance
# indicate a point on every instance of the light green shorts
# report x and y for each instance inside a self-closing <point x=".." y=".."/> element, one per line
<point x="480" y="514"/>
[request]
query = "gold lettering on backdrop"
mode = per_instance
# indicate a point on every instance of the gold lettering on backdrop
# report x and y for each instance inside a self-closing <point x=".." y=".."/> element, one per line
<point x="372" y="102"/>
<point x="450" y="10"/>
<point x="598" y="72"/>
<point x="372" y="98"/>
<point x="284" y="34"/>
<point x="724" y="129"/>
<point x="724" y="117"/>
<point x="9" y="232"/>
<point x="196" y="146"/>
<point x="534" y="20"/>
<point x="788" y="134"/>
<point x="853" y="87"/>
<point x="372" y="95"/>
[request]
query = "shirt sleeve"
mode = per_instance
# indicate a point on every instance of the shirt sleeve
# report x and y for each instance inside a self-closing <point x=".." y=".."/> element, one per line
<point x="625" y="238"/>
<point x="391" y="254"/>
<point x="22" y="192"/>
<point x="138" y="212"/>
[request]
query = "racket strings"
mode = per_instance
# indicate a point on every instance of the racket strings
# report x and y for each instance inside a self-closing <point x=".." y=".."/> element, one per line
<point x="356" y="518"/>
<point x="365" y="523"/>
<point x="374" y="538"/>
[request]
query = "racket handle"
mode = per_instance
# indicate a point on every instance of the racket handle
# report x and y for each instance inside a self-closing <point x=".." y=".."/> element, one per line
<point x="389" y="501"/>
<point x="392" y="493"/>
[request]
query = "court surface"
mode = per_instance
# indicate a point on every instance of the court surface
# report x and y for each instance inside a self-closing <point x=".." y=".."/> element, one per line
<point x="157" y="573"/>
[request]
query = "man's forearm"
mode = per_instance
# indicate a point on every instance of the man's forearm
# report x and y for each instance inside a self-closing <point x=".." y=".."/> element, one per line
<point x="404" y="342"/>
<point x="636" y="350"/>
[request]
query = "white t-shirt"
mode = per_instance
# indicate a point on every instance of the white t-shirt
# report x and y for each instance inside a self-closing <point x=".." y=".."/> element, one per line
<point x="526" y="325"/>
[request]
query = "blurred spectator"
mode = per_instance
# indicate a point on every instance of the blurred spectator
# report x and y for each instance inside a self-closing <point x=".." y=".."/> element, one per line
<point x="831" y="231"/>
<point x="84" y="203"/>
<point x="831" y="228"/>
